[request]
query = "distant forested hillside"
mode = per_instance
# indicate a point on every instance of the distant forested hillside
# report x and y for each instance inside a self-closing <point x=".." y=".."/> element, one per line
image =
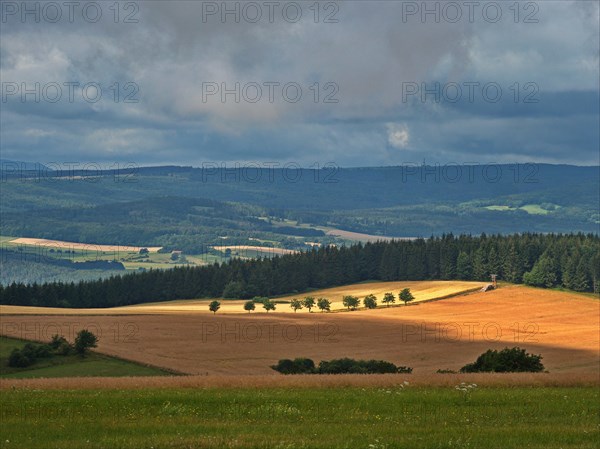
<point x="190" y="224"/>
<point x="189" y="208"/>
<point x="33" y="269"/>
<point x="570" y="261"/>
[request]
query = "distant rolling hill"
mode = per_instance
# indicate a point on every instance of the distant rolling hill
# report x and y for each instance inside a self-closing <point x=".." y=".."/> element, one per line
<point x="185" y="207"/>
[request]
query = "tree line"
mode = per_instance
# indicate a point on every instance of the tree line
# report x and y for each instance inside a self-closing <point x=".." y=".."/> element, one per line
<point x="323" y="304"/>
<point x="571" y="261"/>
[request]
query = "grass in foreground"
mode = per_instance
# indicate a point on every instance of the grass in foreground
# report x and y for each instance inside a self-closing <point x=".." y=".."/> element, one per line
<point x="92" y="364"/>
<point x="374" y="418"/>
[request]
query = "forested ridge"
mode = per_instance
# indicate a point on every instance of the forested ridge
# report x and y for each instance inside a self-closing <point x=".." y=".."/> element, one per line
<point x="547" y="260"/>
<point x="185" y="208"/>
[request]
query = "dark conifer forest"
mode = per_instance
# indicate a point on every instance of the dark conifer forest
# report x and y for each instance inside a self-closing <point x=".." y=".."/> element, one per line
<point x="545" y="260"/>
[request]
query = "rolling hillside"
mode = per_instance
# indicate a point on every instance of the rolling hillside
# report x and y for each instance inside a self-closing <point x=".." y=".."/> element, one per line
<point x="445" y="334"/>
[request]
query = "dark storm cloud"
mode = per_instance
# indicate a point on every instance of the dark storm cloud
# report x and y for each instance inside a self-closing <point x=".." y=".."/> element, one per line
<point x="363" y="64"/>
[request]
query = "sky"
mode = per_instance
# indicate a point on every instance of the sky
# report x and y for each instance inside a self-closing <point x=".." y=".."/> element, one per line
<point x="353" y="83"/>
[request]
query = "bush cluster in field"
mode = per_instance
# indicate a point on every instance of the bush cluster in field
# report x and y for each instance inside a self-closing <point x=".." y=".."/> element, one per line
<point x="338" y="366"/>
<point x="513" y="360"/>
<point x="31" y="352"/>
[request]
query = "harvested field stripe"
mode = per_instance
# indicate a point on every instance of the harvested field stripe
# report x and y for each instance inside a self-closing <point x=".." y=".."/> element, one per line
<point x="80" y="246"/>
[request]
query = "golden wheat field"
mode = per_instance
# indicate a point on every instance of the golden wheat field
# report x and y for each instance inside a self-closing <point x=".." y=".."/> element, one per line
<point x="422" y="291"/>
<point x="446" y="334"/>
<point x="59" y="244"/>
<point x="308" y="381"/>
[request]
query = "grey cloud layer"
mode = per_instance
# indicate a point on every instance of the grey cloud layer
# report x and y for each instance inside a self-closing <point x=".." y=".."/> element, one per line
<point x="369" y="54"/>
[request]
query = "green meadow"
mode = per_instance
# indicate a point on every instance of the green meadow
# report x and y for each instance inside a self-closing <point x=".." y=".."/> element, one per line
<point x="93" y="364"/>
<point x="370" y="418"/>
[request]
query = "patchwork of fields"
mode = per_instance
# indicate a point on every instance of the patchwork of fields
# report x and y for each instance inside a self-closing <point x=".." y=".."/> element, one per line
<point x="233" y="399"/>
<point x="445" y="334"/>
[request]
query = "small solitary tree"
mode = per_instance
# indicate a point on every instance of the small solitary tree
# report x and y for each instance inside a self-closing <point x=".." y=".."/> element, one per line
<point x="249" y="306"/>
<point x="370" y="301"/>
<point x="324" y="304"/>
<point x="309" y="303"/>
<point x="388" y="299"/>
<point x="84" y="340"/>
<point x="296" y="304"/>
<point x="406" y="296"/>
<point x="351" y="302"/>
<point x="214" y="306"/>
<point x="269" y="305"/>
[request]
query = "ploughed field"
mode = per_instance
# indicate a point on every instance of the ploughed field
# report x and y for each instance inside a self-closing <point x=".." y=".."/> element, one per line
<point x="426" y="336"/>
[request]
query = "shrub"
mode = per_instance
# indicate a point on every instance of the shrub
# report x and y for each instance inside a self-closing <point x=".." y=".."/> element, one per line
<point x="380" y="366"/>
<point x="296" y="366"/>
<point x="84" y="340"/>
<point x="338" y="366"/>
<point x="513" y="360"/>
<point x="57" y="341"/>
<point x="28" y="350"/>
<point x="65" y="348"/>
<point x="19" y="360"/>
<point x="351" y="366"/>
<point x="35" y="351"/>
<point x="42" y="351"/>
<point x="28" y="354"/>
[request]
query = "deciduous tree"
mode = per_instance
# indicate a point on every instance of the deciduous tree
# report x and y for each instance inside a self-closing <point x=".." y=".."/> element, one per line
<point x="214" y="306"/>
<point x="406" y="296"/>
<point x="370" y="301"/>
<point x="324" y="304"/>
<point x="388" y="299"/>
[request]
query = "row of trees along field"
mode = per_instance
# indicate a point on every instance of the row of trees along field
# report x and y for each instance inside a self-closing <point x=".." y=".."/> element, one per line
<point x="547" y="260"/>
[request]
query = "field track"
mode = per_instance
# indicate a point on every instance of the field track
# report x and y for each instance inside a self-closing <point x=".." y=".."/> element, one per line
<point x="447" y="334"/>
